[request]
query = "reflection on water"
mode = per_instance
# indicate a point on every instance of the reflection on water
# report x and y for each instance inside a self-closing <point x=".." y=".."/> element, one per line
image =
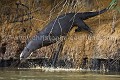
<point x="37" y="74"/>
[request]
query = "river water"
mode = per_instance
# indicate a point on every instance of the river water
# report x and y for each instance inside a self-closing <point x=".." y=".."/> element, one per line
<point x="38" y="74"/>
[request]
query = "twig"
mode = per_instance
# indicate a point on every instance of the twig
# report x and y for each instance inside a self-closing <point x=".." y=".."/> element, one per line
<point x="22" y="20"/>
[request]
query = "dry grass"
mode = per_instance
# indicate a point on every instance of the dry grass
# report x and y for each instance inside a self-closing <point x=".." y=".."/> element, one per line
<point x="100" y="45"/>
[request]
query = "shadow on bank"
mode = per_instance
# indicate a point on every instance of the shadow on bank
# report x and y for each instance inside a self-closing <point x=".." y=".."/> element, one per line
<point x="94" y="64"/>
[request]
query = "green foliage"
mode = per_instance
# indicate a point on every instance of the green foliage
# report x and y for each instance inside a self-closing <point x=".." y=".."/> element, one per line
<point x="113" y="5"/>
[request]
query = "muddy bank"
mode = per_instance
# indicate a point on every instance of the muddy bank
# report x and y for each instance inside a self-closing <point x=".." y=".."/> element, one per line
<point x="100" y="48"/>
<point x="93" y="64"/>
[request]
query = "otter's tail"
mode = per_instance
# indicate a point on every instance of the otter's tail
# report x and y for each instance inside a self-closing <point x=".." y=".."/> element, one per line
<point x="87" y="15"/>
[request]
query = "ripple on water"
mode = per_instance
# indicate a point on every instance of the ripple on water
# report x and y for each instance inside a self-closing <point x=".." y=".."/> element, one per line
<point x="55" y="74"/>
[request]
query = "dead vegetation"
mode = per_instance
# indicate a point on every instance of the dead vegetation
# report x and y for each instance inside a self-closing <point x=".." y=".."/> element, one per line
<point x="21" y="19"/>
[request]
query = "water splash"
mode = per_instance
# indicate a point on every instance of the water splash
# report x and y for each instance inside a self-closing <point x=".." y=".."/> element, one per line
<point x="52" y="69"/>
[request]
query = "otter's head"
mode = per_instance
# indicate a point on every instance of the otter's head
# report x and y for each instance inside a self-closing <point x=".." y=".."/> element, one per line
<point x="30" y="47"/>
<point x="24" y="54"/>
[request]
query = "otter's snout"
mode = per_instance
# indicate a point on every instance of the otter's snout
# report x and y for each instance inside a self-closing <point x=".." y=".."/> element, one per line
<point x="25" y="53"/>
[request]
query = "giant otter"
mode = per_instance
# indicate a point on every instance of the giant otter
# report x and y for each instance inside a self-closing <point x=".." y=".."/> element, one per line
<point x="60" y="26"/>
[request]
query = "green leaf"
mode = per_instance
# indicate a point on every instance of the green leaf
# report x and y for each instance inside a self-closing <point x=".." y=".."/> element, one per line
<point x="113" y="4"/>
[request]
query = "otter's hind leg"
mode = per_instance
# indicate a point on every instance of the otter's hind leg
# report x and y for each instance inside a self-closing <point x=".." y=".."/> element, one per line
<point x="81" y="25"/>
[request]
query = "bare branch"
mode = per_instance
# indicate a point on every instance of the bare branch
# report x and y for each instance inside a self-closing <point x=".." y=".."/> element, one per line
<point x="27" y="19"/>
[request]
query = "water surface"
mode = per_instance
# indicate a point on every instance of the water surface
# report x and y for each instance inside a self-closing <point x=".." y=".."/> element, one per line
<point x="37" y="74"/>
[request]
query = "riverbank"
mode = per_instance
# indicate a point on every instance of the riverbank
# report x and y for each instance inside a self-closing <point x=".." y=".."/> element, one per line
<point x="101" y="51"/>
<point x="46" y="65"/>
